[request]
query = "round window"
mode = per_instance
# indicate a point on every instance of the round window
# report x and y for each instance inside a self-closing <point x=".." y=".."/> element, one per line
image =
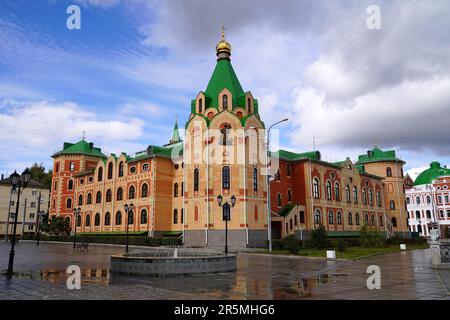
<point x="133" y="169"/>
<point x="91" y="179"/>
<point x="81" y="181"/>
<point x="176" y="166"/>
<point x="145" y="167"/>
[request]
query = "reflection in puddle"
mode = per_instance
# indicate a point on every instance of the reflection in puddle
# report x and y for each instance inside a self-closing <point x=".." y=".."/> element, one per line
<point x="305" y="286"/>
<point x="88" y="276"/>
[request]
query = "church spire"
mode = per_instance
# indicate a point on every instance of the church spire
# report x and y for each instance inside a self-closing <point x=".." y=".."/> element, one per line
<point x="175" y="134"/>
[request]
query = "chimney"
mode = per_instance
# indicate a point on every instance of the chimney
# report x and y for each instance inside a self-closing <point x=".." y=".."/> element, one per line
<point x="2" y="176"/>
<point x="91" y="145"/>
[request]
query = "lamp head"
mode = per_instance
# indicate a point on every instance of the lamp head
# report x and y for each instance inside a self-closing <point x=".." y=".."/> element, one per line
<point x="233" y="200"/>
<point x="26" y="177"/>
<point x="219" y="199"/>
<point x="14" y="179"/>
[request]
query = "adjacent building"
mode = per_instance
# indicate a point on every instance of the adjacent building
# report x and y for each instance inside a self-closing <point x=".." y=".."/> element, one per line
<point x="33" y="199"/>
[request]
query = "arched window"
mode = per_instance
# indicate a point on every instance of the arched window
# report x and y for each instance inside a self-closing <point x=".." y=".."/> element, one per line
<point x="339" y="218"/>
<point x="330" y="217"/>
<point x="255" y="213"/>
<point x="347" y="193"/>
<point x="54" y="204"/>
<point x="355" y="194"/>
<point x="107" y="219"/>
<point x="182" y="189"/>
<point x="357" y="219"/>
<point x="87" y="222"/>
<point x="418" y="200"/>
<point x="417" y="214"/>
<point x="337" y="192"/>
<point x="249" y="105"/>
<point x="79" y="221"/>
<point x="366" y="219"/>
<point x="110" y="170"/>
<point x="196" y="213"/>
<point x="89" y="198"/>
<point x="379" y="198"/>
<point x="175" y="216"/>
<point x="80" y="200"/>
<point x="329" y="190"/>
<point x="288" y="170"/>
<point x="226" y="177"/>
<point x="70" y="185"/>
<point x="289" y="195"/>
<point x="255" y="179"/>
<point x="196" y="180"/>
<point x="200" y="105"/>
<point x="225" y="101"/>
<point x="72" y="166"/>
<point x="100" y="174"/>
<point x="317" y="217"/>
<point x="279" y="199"/>
<point x="428" y="213"/>
<point x="175" y="190"/>
<point x="130" y="217"/>
<point x="381" y="221"/>
<point x="225" y="132"/>
<point x="388" y="172"/>
<point x="370" y="197"/>
<point x="316" y="193"/>
<point x="57" y="167"/>
<point x="364" y="196"/>
<point x="144" y="190"/>
<point x="119" y="194"/>
<point x="98" y="197"/>
<point x="392" y="205"/>
<point x="182" y="215"/>
<point x="350" y="219"/>
<point x="121" y="169"/>
<point x="108" y="195"/>
<point x="428" y="200"/>
<point x="372" y="220"/>
<point x="144" y="216"/>
<point x="118" y="218"/>
<point x="69" y="203"/>
<point x="131" y="192"/>
<point x="394" y="222"/>
<point x="97" y="219"/>
<point x="278" y="175"/>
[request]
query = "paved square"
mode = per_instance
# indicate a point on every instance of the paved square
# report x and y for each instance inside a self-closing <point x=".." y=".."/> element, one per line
<point x="41" y="275"/>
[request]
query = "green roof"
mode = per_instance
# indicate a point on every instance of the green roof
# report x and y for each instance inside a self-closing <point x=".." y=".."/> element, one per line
<point x="377" y="155"/>
<point x="80" y="148"/>
<point x="223" y="77"/>
<point x="435" y="171"/>
<point x="286" y="210"/>
<point x="292" y="156"/>
<point x="175" y="134"/>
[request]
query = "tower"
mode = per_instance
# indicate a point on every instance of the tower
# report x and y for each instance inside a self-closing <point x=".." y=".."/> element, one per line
<point x="224" y="155"/>
<point x="385" y="164"/>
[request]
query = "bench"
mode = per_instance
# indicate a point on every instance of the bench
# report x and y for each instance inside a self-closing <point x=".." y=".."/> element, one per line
<point x="84" y="246"/>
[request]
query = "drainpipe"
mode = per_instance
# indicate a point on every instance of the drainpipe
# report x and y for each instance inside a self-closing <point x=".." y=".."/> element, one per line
<point x="245" y="189"/>
<point x="207" y="188"/>
<point x="400" y="206"/>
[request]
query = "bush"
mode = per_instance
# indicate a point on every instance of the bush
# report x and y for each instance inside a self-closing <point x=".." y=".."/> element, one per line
<point x="292" y="244"/>
<point x="399" y="240"/>
<point x="340" y="245"/>
<point x="319" y="238"/>
<point x="371" y="239"/>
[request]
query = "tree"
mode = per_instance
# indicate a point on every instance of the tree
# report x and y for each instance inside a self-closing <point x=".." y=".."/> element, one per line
<point x="56" y="225"/>
<point x="319" y="238"/>
<point x="38" y="174"/>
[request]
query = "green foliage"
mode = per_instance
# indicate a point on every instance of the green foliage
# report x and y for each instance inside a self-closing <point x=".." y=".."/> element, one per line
<point x="340" y="245"/>
<point x="319" y="238"/>
<point x="55" y="226"/>
<point x="371" y="238"/>
<point x="38" y="174"/>
<point x="398" y="240"/>
<point x="292" y="244"/>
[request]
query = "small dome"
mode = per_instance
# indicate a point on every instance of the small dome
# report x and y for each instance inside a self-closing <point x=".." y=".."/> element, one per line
<point x="433" y="172"/>
<point x="223" y="48"/>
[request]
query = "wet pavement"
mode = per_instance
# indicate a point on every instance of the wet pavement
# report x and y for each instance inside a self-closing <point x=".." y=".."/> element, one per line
<point x="41" y="275"/>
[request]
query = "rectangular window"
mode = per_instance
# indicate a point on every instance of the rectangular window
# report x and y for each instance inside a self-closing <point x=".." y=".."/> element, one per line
<point x="446" y="198"/>
<point x="448" y="213"/>
<point x="34" y="192"/>
<point x="31" y="215"/>
<point x="439" y="199"/>
<point x="392" y="205"/>
<point x="295" y="220"/>
<point x="12" y="203"/>
<point x="33" y="204"/>
<point x="302" y="217"/>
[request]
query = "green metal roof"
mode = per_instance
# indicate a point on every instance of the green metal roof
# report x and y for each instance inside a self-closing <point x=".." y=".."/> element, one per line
<point x="435" y="171"/>
<point x="378" y="155"/>
<point x="292" y="156"/>
<point x="286" y="210"/>
<point x="175" y="134"/>
<point x="223" y="77"/>
<point x="80" y="148"/>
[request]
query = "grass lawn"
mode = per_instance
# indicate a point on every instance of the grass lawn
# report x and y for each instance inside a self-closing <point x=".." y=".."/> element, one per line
<point x="353" y="252"/>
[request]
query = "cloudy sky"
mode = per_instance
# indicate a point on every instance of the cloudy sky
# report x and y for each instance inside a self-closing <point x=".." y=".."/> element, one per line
<point x="136" y="64"/>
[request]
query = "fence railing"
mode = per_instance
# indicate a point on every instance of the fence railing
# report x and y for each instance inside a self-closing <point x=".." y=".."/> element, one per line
<point x="445" y="252"/>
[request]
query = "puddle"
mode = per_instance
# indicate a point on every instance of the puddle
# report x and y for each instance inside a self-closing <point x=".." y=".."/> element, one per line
<point x="88" y="276"/>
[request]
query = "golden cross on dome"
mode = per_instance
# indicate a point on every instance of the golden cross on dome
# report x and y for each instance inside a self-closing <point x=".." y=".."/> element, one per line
<point x="84" y="134"/>
<point x="223" y="32"/>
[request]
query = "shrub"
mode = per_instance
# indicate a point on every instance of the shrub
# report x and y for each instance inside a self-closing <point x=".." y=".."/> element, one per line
<point x="340" y="245"/>
<point x="291" y="244"/>
<point x="319" y="238"/>
<point x="371" y="239"/>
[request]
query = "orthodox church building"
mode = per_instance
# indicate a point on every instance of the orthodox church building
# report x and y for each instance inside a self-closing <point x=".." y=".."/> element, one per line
<point x="216" y="179"/>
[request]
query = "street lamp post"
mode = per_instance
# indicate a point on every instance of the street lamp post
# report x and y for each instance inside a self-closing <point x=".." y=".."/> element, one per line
<point x="38" y="226"/>
<point x="269" y="209"/>
<point x="226" y="215"/>
<point x="76" y="212"/>
<point x="128" y="211"/>
<point x="20" y="182"/>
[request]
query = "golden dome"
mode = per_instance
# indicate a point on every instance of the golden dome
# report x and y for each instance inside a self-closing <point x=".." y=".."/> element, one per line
<point x="223" y="45"/>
